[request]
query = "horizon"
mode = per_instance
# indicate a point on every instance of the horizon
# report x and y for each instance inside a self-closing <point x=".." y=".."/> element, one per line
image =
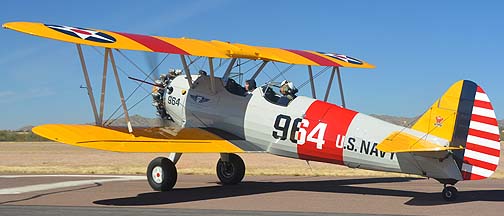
<point x="419" y="51"/>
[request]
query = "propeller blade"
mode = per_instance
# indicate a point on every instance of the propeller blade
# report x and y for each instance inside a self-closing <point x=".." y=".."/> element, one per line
<point x="152" y="60"/>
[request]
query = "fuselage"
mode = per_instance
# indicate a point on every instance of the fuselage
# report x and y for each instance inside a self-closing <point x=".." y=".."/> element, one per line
<point x="306" y="128"/>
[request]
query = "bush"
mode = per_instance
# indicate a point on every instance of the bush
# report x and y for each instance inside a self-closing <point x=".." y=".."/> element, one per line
<point x="15" y="136"/>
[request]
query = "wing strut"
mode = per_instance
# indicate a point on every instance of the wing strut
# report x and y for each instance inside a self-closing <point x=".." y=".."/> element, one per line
<point x="341" y="88"/>
<point x="88" y="83"/>
<point x="212" y="74"/>
<point x="312" y="83"/>
<point x="104" y="84"/>
<point x="334" y="70"/>
<point x="329" y="84"/>
<point x="229" y="68"/>
<point x="119" y="88"/>
<point x="259" y="70"/>
<point x="187" y="71"/>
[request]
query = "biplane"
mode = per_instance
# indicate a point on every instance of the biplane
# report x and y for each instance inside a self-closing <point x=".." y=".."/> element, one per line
<point x="455" y="139"/>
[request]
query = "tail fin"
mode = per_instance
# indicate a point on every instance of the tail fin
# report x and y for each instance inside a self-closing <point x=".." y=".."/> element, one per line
<point x="465" y="117"/>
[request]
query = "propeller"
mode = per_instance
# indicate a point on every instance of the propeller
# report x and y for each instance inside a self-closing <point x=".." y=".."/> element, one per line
<point x="152" y="62"/>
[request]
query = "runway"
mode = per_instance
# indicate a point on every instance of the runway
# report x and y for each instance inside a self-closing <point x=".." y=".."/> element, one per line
<point x="257" y="195"/>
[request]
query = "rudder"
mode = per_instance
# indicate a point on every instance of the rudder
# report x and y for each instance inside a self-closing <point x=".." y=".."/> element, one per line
<point x="465" y="117"/>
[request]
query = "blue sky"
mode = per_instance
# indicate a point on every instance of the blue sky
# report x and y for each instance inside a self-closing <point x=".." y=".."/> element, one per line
<point x="420" y="48"/>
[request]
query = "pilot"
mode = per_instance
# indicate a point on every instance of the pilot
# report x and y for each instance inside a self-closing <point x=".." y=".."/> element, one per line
<point x="288" y="92"/>
<point x="250" y="86"/>
<point x="202" y="73"/>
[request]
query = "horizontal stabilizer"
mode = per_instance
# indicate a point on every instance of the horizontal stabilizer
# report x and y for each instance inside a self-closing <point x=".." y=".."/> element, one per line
<point x="141" y="140"/>
<point x="403" y="142"/>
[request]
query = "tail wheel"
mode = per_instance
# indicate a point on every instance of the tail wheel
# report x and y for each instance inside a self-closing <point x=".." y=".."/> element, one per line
<point x="450" y="193"/>
<point x="232" y="171"/>
<point x="162" y="174"/>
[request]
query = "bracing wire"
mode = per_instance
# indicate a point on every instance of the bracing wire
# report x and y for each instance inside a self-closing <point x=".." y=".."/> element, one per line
<point x="314" y="77"/>
<point x="281" y="72"/>
<point x="130" y="108"/>
<point x="137" y="87"/>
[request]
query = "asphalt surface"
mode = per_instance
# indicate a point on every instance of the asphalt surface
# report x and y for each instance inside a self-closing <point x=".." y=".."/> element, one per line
<point x="257" y="195"/>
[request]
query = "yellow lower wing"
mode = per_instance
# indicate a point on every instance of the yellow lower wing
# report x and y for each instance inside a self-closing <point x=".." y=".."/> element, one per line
<point x="142" y="139"/>
<point x="403" y="142"/>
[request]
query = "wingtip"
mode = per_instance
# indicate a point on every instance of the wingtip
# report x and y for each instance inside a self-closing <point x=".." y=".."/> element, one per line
<point x="5" y="25"/>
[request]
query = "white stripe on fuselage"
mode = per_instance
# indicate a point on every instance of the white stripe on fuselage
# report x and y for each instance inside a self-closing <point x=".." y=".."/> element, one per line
<point x="363" y="134"/>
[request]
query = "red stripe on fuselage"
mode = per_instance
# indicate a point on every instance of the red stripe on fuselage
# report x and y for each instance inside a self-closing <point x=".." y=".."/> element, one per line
<point x="315" y="58"/>
<point x="338" y="120"/>
<point x="155" y="44"/>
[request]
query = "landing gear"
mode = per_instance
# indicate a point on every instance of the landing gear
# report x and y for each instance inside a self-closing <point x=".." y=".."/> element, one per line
<point x="449" y="193"/>
<point x="230" y="169"/>
<point x="162" y="174"/>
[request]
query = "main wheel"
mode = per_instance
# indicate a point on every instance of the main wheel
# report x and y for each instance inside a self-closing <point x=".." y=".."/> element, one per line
<point x="449" y="193"/>
<point x="232" y="171"/>
<point x="161" y="174"/>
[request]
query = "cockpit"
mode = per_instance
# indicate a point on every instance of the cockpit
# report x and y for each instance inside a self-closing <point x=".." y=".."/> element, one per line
<point x="271" y="92"/>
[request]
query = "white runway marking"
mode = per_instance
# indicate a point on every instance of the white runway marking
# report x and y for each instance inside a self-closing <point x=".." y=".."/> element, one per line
<point x="90" y="176"/>
<point x="50" y="186"/>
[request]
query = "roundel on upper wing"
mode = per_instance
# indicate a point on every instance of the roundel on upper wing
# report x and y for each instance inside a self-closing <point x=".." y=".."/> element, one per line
<point x="344" y="58"/>
<point x="82" y="33"/>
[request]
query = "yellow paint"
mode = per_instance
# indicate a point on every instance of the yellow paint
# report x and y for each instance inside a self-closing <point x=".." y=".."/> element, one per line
<point x="142" y="140"/>
<point x="403" y="142"/>
<point x="446" y="108"/>
<point x="214" y="48"/>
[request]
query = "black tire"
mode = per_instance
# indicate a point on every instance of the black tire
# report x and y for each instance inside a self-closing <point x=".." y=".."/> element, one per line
<point x="162" y="174"/>
<point x="231" y="172"/>
<point x="450" y="193"/>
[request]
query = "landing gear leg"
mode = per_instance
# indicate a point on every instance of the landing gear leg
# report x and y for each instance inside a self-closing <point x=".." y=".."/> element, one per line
<point x="174" y="157"/>
<point x="449" y="193"/>
<point x="162" y="174"/>
<point x="230" y="169"/>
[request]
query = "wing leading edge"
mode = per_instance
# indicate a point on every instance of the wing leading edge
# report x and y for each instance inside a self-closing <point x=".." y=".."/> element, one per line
<point x="183" y="46"/>
<point x="187" y="140"/>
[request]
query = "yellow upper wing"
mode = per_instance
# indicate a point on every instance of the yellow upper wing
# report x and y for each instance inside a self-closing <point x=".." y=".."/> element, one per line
<point x="142" y="139"/>
<point x="183" y="46"/>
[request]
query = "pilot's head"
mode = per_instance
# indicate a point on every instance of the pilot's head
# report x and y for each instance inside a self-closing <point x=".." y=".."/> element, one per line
<point x="287" y="87"/>
<point x="250" y="85"/>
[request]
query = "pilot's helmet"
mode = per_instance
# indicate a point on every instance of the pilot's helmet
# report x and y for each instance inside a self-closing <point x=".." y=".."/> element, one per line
<point x="288" y="87"/>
